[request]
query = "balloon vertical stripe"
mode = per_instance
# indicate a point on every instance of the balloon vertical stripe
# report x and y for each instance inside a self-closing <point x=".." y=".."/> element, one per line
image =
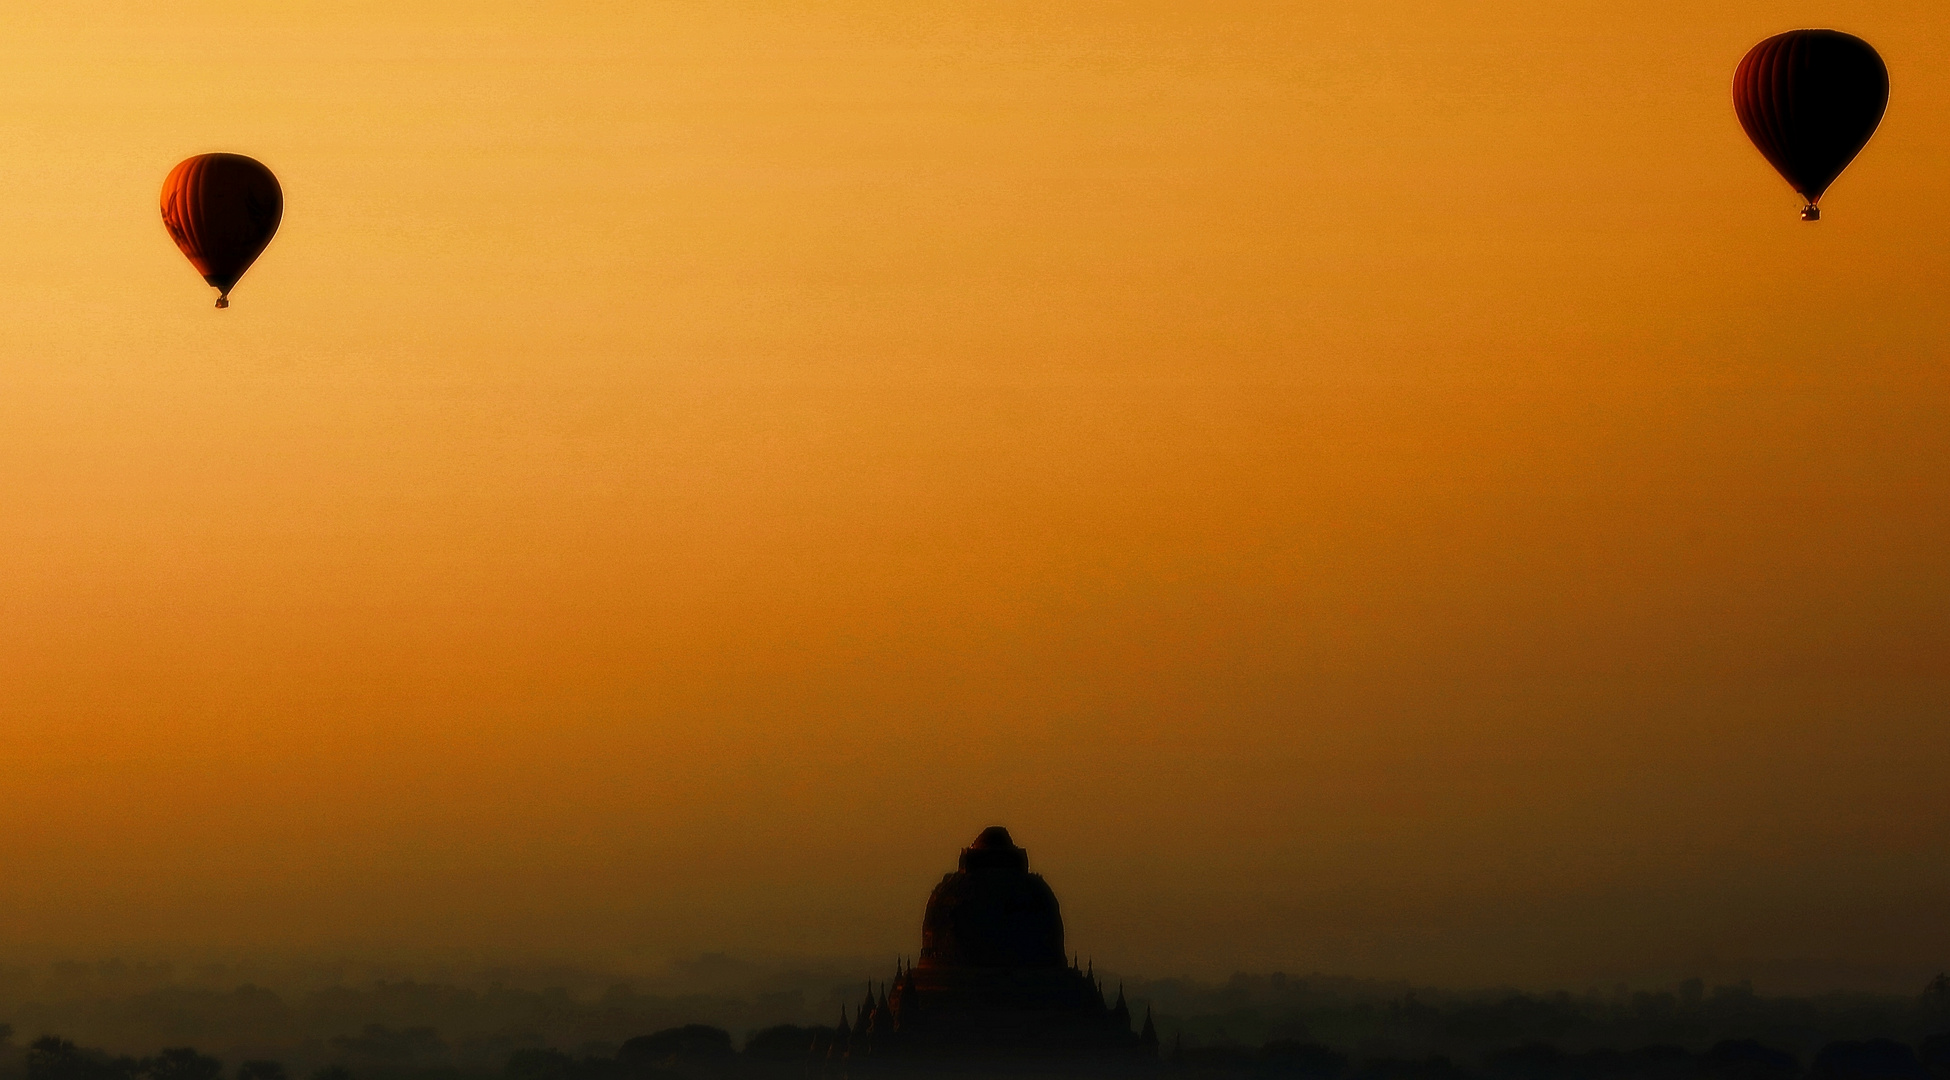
<point x="1810" y="100"/>
<point x="222" y="209"/>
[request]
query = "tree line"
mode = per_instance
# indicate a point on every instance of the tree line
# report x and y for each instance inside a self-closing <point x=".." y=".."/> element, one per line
<point x="701" y="1050"/>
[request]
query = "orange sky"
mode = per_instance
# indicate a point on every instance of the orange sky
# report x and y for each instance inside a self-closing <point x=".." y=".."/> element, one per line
<point x="1382" y="488"/>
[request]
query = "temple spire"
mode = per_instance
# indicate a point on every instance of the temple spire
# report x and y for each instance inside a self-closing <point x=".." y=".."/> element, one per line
<point x="842" y="1035"/>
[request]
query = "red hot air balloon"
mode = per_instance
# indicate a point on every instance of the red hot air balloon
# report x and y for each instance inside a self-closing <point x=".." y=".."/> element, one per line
<point x="221" y="209"/>
<point x="1810" y="99"/>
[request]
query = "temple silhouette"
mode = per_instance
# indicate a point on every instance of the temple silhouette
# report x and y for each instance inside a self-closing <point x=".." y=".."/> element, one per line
<point x="992" y="980"/>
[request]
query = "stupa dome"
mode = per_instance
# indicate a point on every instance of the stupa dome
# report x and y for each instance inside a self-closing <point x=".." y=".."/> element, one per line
<point x="992" y="913"/>
<point x="991" y="981"/>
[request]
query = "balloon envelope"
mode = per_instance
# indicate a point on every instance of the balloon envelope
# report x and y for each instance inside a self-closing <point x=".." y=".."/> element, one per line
<point x="1810" y="99"/>
<point x="222" y="209"/>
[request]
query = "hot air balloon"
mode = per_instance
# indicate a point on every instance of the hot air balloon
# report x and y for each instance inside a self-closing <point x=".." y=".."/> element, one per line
<point x="1810" y="99"/>
<point x="221" y="209"/>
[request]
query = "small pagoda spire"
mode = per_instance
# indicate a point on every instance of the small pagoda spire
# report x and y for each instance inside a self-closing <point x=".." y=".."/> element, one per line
<point x="842" y="1035"/>
<point x="863" y="1024"/>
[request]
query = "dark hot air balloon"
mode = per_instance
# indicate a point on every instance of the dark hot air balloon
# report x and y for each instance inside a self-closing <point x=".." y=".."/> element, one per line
<point x="1810" y="99"/>
<point x="222" y="209"/>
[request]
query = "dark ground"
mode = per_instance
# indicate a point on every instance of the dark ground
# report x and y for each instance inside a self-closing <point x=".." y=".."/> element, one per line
<point x="508" y="1025"/>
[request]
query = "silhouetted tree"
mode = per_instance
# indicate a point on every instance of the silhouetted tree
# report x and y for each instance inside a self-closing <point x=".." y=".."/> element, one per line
<point x="690" y="1042"/>
<point x="1302" y="1060"/>
<point x="181" y="1063"/>
<point x="1745" y="1059"/>
<point x="1657" y="1062"/>
<point x="784" y="1042"/>
<point x="332" y="1072"/>
<point x="1392" y="1068"/>
<point x="260" y="1070"/>
<point x="1531" y="1061"/>
<point x="381" y="1043"/>
<point x="1875" y="1059"/>
<point x="1215" y="1058"/>
<point x="52" y="1058"/>
<point x="539" y="1064"/>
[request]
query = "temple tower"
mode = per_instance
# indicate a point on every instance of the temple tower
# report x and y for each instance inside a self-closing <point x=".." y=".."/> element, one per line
<point x="992" y="979"/>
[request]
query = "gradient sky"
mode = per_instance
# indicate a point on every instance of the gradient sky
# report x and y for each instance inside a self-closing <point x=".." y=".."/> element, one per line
<point x="1388" y="488"/>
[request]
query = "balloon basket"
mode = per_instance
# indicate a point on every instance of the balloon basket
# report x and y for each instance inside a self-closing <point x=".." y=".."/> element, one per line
<point x="1811" y="212"/>
<point x="223" y="301"/>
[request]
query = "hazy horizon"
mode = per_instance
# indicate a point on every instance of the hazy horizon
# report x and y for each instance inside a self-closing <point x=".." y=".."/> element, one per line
<point x="719" y="972"/>
<point x="645" y="959"/>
